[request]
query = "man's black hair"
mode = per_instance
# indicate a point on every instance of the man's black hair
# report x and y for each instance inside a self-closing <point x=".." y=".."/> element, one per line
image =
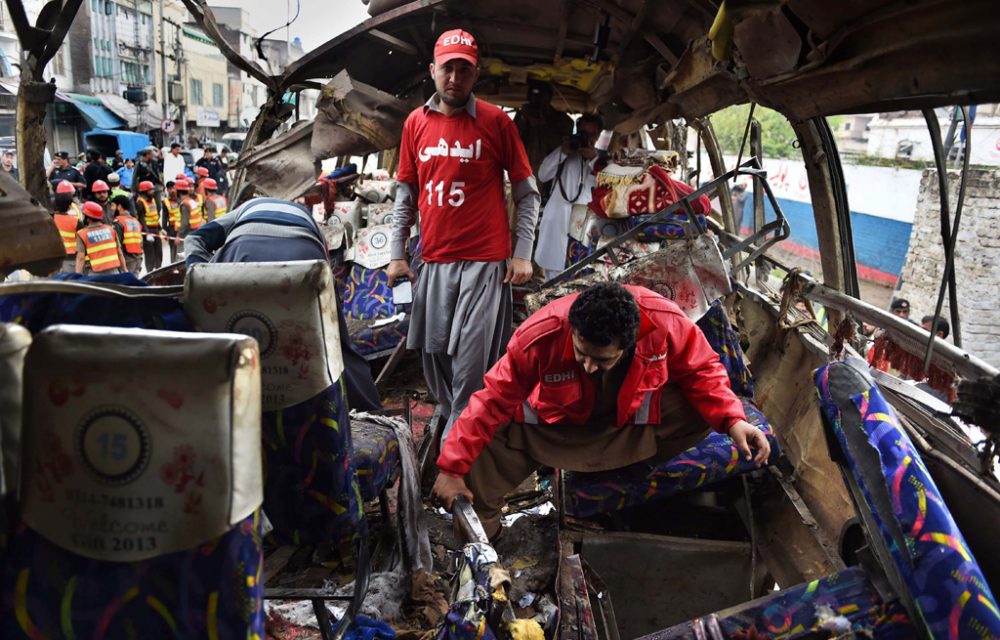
<point x="62" y="202"/>
<point x="605" y="313"/>
<point x="942" y="325"/>
<point x="592" y="118"/>
<point x="175" y="145"/>
<point x="121" y="201"/>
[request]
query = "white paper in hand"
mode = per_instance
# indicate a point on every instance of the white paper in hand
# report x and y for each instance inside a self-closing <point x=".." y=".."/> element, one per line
<point x="402" y="293"/>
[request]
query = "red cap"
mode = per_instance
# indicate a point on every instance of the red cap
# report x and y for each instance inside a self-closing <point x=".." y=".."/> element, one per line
<point x="181" y="176"/>
<point x="65" y="186"/>
<point x="201" y="171"/>
<point x="146" y="185"/>
<point x="456" y="44"/>
<point x="182" y="185"/>
<point x="210" y="184"/>
<point x="93" y="210"/>
<point x="98" y="186"/>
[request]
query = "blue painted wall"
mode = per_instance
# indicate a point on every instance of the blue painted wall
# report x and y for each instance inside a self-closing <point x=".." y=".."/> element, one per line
<point x="879" y="243"/>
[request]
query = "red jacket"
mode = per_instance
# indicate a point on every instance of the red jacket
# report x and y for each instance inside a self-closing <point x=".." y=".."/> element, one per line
<point x="538" y="380"/>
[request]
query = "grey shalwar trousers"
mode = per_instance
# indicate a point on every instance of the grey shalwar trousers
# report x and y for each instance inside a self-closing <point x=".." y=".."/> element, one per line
<point x="461" y="321"/>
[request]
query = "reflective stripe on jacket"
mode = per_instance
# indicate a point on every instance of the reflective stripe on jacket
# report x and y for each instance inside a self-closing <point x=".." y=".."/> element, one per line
<point x="102" y="247"/>
<point x="539" y="380"/>
<point x="173" y="212"/>
<point x="221" y="206"/>
<point x="196" y="218"/>
<point x="131" y="234"/>
<point x="68" y="224"/>
<point x="150" y="214"/>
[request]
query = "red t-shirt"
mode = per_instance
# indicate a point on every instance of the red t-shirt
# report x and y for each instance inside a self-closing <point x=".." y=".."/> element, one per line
<point x="457" y="163"/>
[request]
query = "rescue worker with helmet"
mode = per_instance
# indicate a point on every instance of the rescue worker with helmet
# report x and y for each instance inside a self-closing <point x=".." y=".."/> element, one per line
<point x="172" y="214"/>
<point x="129" y="232"/>
<point x="102" y="196"/>
<point x="201" y="174"/>
<point x="97" y="247"/>
<point x="148" y="214"/>
<point x="68" y="224"/>
<point x="192" y="211"/>
<point x="215" y="204"/>
<point x="66" y="188"/>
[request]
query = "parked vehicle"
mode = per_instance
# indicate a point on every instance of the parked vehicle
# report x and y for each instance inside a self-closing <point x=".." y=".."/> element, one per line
<point x="109" y="141"/>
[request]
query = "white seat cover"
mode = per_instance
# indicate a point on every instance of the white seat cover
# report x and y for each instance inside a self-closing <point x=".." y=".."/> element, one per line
<point x="139" y="443"/>
<point x="288" y="307"/>
<point x="14" y="341"/>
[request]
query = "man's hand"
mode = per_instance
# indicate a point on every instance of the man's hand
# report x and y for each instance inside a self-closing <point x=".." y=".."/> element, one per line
<point x="519" y="271"/>
<point x="447" y="488"/>
<point x="399" y="269"/>
<point x="745" y="436"/>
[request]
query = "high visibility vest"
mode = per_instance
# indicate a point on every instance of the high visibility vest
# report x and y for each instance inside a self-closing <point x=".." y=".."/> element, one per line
<point x="131" y="234"/>
<point x="173" y="212"/>
<point x="67" y="224"/>
<point x="221" y="206"/>
<point x="151" y="215"/>
<point x="196" y="218"/>
<point x="102" y="247"/>
<point x="118" y="192"/>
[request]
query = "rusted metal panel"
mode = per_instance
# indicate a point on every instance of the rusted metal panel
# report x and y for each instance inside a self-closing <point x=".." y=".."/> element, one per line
<point x="576" y="614"/>
<point x="354" y="118"/>
<point x="29" y="238"/>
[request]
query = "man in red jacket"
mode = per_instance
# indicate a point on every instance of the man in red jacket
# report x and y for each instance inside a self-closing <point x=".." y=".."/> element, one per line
<point x="591" y="382"/>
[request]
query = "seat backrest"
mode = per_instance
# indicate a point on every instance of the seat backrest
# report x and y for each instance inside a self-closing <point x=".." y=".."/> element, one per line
<point x="14" y="342"/>
<point x="906" y="521"/>
<point x="288" y="307"/>
<point x="310" y="487"/>
<point x="140" y="486"/>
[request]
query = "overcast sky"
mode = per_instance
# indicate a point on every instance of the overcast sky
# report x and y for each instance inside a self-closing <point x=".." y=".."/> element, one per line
<point x="318" y="21"/>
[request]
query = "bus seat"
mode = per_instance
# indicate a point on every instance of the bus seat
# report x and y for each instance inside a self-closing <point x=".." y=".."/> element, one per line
<point x="376" y="456"/>
<point x="726" y="342"/>
<point x="847" y="598"/>
<point x="909" y="527"/>
<point x="311" y="491"/>
<point x="375" y="322"/>
<point x="139" y="488"/>
<point x="709" y="462"/>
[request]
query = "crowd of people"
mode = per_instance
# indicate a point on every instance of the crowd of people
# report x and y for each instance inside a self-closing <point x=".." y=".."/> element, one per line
<point x="115" y="216"/>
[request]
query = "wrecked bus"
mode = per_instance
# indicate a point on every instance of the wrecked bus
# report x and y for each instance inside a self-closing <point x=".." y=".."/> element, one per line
<point x="874" y="517"/>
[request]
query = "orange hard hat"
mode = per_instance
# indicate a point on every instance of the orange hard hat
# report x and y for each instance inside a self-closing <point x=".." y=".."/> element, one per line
<point x="65" y="186"/>
<point x="181" y="176"/>
<point x="182" y="185"/>
<point x="93" y="210"/>
<point x="146" y="185"/>
<point x="210" y="184"/>
<point x="98" y="186"/>
<point x="201" y="171"/>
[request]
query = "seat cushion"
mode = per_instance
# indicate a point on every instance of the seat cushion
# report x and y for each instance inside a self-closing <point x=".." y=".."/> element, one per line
<point x="376" y="456"/>
<point x="907" y="521"/>
<point x="709" y="462"/>
<point x="726" y="342"/>
<point x="212" y="591"/>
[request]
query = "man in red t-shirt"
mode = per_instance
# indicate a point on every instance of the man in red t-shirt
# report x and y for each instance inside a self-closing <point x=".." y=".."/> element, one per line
<point x="452" y="159"/>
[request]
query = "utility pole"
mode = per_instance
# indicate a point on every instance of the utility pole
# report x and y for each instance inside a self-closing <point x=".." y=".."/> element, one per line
<point x="164" y="100"/>
<point x="179" y="56"/>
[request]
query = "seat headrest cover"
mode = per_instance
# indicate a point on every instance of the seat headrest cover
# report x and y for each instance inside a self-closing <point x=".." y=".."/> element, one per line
<point x="14" y="341"/>
<point x="372" y="250"/>
<point x="690" y="271"/>
<point x="139" y="443"/>
<point x="288" y="307"/>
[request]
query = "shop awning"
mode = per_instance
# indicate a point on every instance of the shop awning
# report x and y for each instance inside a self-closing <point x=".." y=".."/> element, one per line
<point x="99" y="116"/>
<point x="149" y="116"/>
